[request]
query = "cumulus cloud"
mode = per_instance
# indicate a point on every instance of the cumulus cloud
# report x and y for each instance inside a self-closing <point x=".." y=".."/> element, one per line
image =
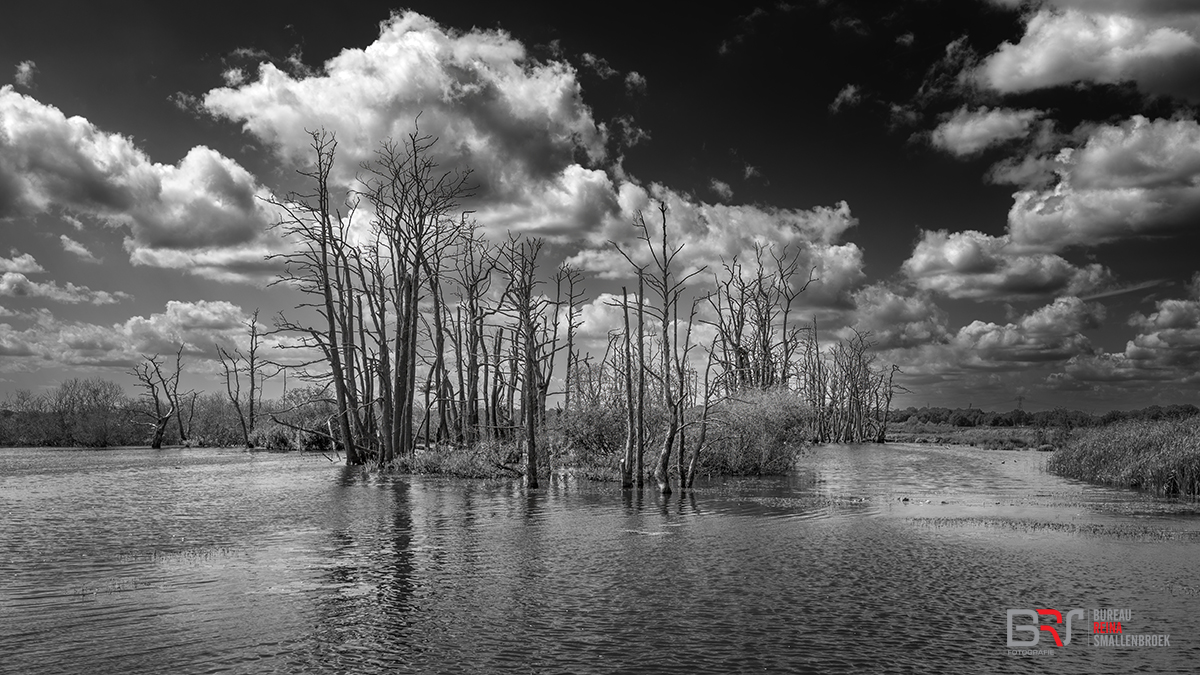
<point x="848" y="97"/>
<point x="196" y="326"/>
<point x="946" y="79"/>
<point x="1166" y="347"/>
<point x="577" y="200"/>
<point x="510" y="118"/>
<point x="1088" y="369"/>
<point x="977" y="266"/>
<point x="721" y="189"/>
<point x="1050" y="333"/>
<point x="247" y="264"/>
<point x="520" y="124"/>
<point x="635" y="82"/>
<point x="233" y="77"/>
<point x="17" y="285"/>
<point x="968" y="132"/>
<point x="1138" y="8"/>
<point x="1098" y="44"/>
<point x="598" y="65"/>
<point x="1130" y="179"/>
<point x="77" y="249"/>
<point x="188" y="103"/>
<point x="631" y="133"/>
<point x="602" y="314"/>
<point x="1031" y="171"/>
<point x="49" y="161"/>
<point x="1049" y="336"/>
<point x="22" y="263"/>
<point x="24" y="74"/>
<point x="898" y="318"/>
<point x="716" y="233"/>
<point x="1169" y="336"/>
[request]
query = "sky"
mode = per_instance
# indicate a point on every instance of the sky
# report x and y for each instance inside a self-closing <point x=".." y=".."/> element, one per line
<point x="1004" y="194"/>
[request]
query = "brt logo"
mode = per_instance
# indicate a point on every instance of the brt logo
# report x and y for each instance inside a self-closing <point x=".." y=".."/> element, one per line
<point x="1054" y="624"/>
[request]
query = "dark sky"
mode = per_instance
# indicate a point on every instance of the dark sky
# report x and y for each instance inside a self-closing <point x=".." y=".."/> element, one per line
<point x="1004" y="193"/>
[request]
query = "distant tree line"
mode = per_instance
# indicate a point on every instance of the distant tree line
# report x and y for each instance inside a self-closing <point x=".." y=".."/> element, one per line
<point x="97" y="413"/>
<point x="1057" y="417"/>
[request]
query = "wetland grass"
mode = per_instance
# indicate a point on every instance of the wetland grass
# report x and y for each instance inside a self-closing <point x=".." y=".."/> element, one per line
<point x="1161" y="457"/>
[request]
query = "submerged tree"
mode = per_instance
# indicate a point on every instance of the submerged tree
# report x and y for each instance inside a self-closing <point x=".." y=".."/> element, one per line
<point x="428" y="335"/>
<point x="520" y="301"/>
<point x="159" y="404"/>
<point x="317" y="231"/>
<point x="667" y="283"/>
<point x="248" y="366"/>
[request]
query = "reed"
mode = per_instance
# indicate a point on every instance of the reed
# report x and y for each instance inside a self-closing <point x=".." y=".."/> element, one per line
<point x="1160" y="457"/>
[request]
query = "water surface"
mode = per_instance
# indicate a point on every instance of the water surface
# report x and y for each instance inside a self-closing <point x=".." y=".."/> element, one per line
<point x="873" y="559"/>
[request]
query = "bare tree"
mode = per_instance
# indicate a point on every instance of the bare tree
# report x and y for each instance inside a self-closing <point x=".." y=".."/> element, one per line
<point x="520" y="301"/>
<point x="633" y="433"/>
<point x="573" y="278"/>
<point x="238" y="365"/>
<point x="315" y="228"/>
<point x="158" y="404"/>
<point x="669" y="286"/>
<point x="412" y="200"/>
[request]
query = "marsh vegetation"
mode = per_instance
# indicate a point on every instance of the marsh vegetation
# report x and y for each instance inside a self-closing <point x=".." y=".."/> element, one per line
<point x="1161" y="457"/>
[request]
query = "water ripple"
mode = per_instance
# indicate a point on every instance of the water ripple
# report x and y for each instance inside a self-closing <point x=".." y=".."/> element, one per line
<point x="897" y="559"/>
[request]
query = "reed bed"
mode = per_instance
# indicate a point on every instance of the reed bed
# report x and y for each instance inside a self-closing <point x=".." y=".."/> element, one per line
<point x="1160" y="457"/>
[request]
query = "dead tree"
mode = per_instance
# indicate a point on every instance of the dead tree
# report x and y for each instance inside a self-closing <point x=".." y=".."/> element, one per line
<point x="474" y="263"/>
<point x="413" y="201"/>
<point x="519" y="262"/>
<point x="632" y="435"/>
<point x="573" y="279"/>
<point x="158" y="404"/>
<point x="669" y="286"/>
<point x="238" y="365"/>
<point x="311" y="223"/>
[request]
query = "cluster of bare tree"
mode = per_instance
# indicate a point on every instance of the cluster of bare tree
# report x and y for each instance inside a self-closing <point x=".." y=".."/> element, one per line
<point x="426" y="333"/>
<point x="758" y="345"/>
<point x="419" y="341"/>
<point x="421" y="332"/>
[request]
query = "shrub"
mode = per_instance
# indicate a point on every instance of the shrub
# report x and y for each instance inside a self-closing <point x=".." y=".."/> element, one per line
<point x="591" y="436"/>
<point x="759" y="433"/>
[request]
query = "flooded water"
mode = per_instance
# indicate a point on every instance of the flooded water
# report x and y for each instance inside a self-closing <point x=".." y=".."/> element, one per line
<point x="866" y="559"/>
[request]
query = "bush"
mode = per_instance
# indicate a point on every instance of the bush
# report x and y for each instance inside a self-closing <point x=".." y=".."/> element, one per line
<point x="591" y="441"/>
<point x="592" y="436"/>
<point x="759" y="433"/>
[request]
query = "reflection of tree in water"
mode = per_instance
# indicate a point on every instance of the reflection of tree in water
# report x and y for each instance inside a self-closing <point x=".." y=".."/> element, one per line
<point x="364" y="614"/>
